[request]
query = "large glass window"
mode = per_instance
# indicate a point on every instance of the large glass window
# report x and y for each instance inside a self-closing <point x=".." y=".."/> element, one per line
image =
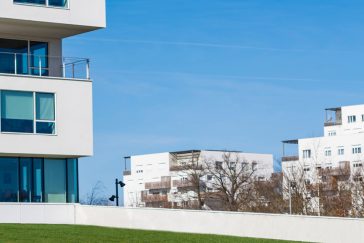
<point x="37" y="180"/>
<point x="17" y="112"/>
<point x="55" y="180"/>
<point x="72" y="180"/>
<point x="25" y="180"/>
<point x="24" y="57"/>
<point x="9" y="182"/>
<point x="38" y="58"/>
<point x="45" y="113"/>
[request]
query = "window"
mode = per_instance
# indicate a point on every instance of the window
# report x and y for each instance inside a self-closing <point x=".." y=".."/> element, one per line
<point x="72" y="180"/>
<point x="209" y="177"/>
<point x="358" y="165"/>
<point x="351" y="119"/>
<point x="307" y="154"/>
<point x="218" y="165"/>
<point x="50" y="3"/>
<point x="254" y="166"/>
<point x="25" y="180"/>
<point x="340" y="151"/>
<point x="9" y="181"/>
<point x="328" y="152"/>
<point x="55" y="180"/>
<point x="24" y="57"/>
<point x="332" y="133"/>
<point x="17" y="112"/>
<point x="362" y="118"/>
<point x="306" y="169"/>
<point x="356" y="150"/>
<point x="45" y="114"/>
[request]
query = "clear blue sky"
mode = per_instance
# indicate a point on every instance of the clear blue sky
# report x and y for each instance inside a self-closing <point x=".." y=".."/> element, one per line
<point x="216" y="74"/>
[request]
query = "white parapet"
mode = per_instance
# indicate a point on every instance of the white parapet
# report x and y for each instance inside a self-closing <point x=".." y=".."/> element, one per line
<point x="269" y="226"/>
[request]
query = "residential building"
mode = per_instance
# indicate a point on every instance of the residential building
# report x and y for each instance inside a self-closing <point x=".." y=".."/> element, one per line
<point x="162" y="179"/>
<point x="46" y="99"/>
<point x="336" y="156"/>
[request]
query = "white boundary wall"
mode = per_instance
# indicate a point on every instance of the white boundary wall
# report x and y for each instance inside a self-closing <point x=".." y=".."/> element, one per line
<point x="299" y="228"/>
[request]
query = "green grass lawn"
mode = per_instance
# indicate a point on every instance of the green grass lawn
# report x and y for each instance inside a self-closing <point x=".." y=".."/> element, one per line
<point x="71" y="233"/>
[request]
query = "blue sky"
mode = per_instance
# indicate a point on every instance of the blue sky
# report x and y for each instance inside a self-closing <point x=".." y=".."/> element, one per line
<point x="216" y="74"/>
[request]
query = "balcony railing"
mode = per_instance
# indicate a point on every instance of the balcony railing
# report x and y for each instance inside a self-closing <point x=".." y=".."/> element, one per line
<point x="332" y="123"/>
<point x="181" y="183"/>
<point x="126" y="172"/>
<point x="154" y="198"/>
<point x="165" y="183"/>
<point x="289" y="158"/>
<point x="44" y="66"/>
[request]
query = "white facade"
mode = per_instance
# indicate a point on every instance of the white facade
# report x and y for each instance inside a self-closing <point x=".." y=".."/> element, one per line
<point x="341" y="145"/>
<point x="158" y="176"/>
<point x="46" y="118"/>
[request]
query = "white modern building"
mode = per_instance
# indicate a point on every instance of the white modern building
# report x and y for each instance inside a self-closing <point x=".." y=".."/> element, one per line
<point x="46" y="99"/>
<point x="329" y="161"/>
<point x="160" y="180"/>
<point x="339" y="151"/>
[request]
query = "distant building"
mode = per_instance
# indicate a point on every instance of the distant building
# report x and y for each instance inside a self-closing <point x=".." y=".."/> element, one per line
<point x="160" y="180"/>
<point x="337" y="156"/>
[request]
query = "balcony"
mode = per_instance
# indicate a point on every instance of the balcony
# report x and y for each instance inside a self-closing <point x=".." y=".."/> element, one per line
<point x="290" y="158"/>
<point x="126" y="172"/>
<point x="23" y="64"/>
<point x="149" y="198"/>
<point x="165" y="183"/>
<point x="332" y="123"/>
<point x="181" y="184"/>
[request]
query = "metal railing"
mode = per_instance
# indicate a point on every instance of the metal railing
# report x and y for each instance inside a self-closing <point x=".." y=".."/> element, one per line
<point x="290" y="158"/>
<point x="44" y="66"/>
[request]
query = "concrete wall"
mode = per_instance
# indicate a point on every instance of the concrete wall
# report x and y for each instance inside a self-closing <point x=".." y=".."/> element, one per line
<point x="74" y="128"/>
<point x="298" y="228"/>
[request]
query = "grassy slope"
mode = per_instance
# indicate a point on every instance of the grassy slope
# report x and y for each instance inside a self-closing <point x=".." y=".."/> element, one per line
<point x="67" y="233"/>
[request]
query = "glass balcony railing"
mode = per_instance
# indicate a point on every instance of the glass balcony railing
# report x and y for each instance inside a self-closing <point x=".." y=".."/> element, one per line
<point x="44" y="66"/>
<point x="46" y="3"/>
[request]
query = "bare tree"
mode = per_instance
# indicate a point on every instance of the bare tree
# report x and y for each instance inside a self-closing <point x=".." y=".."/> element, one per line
<point x="232" y="181"/>
<point x="96" y="196"/>
<point x="193" y="174"/>
<point x="269" y="195"/>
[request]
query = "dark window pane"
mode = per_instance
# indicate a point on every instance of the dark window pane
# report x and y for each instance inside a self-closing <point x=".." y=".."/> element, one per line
<point x="37" y="180"/>
<point x="25" y="180"/>
<point x="45" y="127"/>
<point x="11" y="50"/>
<point x="58" y="3"/>
<point x="43" y="2"/>
<point x="9" y="180"/>
<point x="72" y="181"/>
<point x="17" y="112"/>
<point x="55" y="180"/>
<point x="39" y="58"/>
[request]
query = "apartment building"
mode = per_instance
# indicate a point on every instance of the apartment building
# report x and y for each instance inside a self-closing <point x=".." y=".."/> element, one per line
<point x="46" y="99"/>
<point x="337" y="156"/>
<point x="161" y="180"/>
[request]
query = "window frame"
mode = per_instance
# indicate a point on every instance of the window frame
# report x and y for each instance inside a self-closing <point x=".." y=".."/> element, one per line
<point x="352" y="119"/>
<point x="306" y="152"/>
<point x="46" y="5"/>
<point x="34" y="114"/>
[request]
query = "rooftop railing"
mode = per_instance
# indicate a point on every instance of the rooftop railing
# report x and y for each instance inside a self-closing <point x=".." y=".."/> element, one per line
<point x="44" y="66"/>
